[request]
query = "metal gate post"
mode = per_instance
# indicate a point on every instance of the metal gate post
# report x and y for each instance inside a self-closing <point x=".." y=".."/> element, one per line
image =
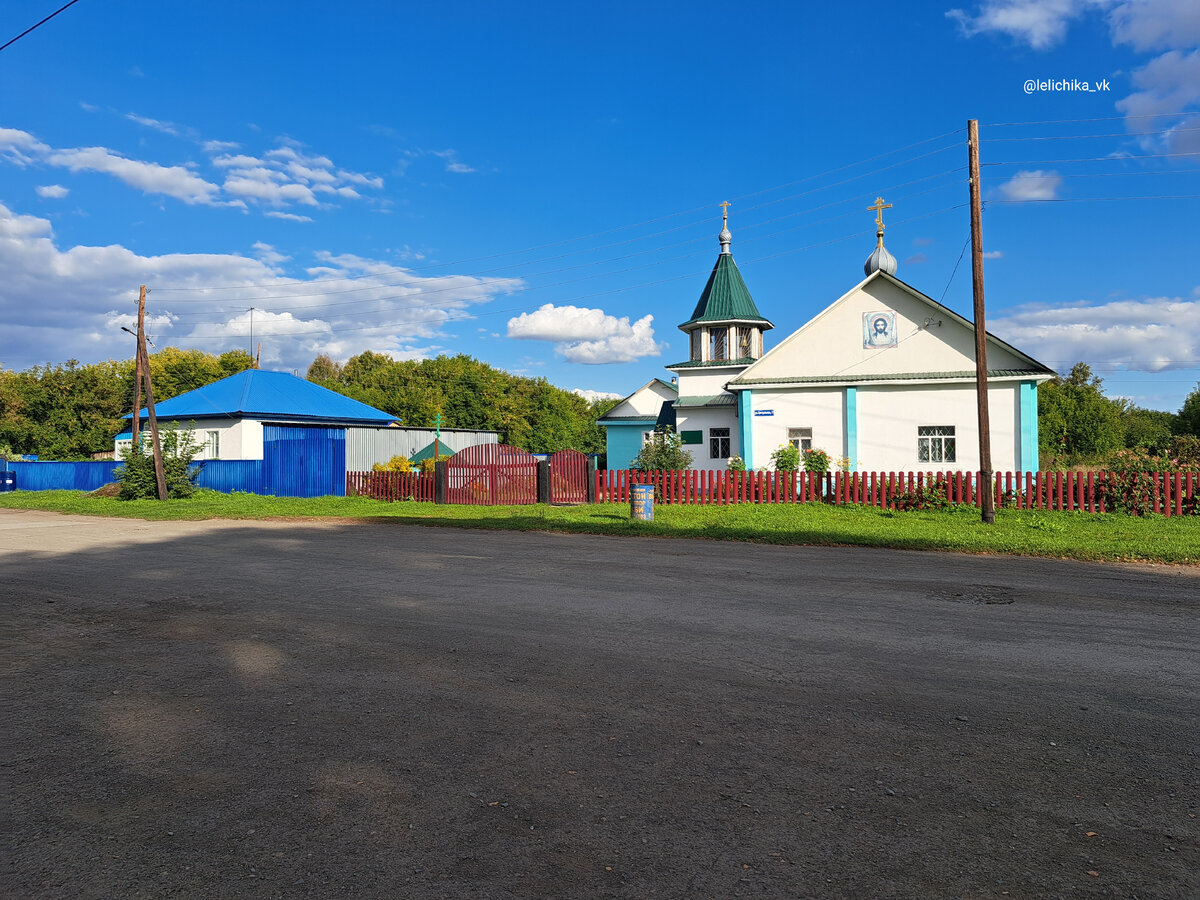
<point x="591" y="479"/>
<point x="543" y="481"/>
<point x="439" y="481"/>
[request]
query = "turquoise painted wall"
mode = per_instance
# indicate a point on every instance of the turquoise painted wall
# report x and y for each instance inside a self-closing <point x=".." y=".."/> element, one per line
<point x="1029" y="427"/>
<point x="852" y="427"/>
<point x="624" y="442"/>
<point x="746" y="428"/>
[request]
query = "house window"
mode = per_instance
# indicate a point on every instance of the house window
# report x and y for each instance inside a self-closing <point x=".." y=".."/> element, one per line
<point x="745" y="337"/>
<point x="212" y="445"/>
<point x="935" y="444"/>
<point x="718" y="443"/>
<point x="647" y="437"/>
<point x="717" y="343"/>
<point x="697" y="344"/>
<point x="800" y="438"/>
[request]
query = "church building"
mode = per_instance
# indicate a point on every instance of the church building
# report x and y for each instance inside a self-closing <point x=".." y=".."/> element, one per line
<point x="884" y="377"/>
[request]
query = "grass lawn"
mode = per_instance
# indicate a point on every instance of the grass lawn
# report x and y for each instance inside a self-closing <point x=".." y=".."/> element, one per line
<point x="1068" y="535"/>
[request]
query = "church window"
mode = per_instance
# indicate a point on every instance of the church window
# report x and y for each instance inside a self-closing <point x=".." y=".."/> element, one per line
<point x="745" y="337"/>
<point x="718" y="443"/>
<point x="697" y="345"/>
<point x="800" y="438"/>
<point x="718" y="338"/>
<point x="935" y="444"/>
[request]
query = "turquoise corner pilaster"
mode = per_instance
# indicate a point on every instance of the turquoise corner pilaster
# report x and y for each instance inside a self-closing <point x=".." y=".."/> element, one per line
<point x="852" y="427"/>
<point x="746" y="427"/>
<point x="1029" y="427"/>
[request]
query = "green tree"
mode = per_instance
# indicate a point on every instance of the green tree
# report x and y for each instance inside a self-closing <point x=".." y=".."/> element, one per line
<point x="1075" y="419"/>
<point x="138" y="479"/>
<point x="1188" y="420"/>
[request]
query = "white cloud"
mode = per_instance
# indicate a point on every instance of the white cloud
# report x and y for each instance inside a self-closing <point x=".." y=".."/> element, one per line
<point x="993" y="254"/>
<point x="592" y="396"/>
<point x="282" y="177"/>
<point x="1169" y="83"/>
<point x="1038" y="23"/>
<point x="290" y="217"/>
<point x="1150" y="335"/>
<point x="588" y="336"/>
<point x="51" y="191"/>
<point x="165" y="127"/>
<point x="916" y="259"/>
<point x="1156" y="24"/>
<point x="69" y="300"/>
<point x="173" y="181"/>
<point x="458" y="168"/>
<point x="1032" y="185"/>
<point x="20" y="147"/>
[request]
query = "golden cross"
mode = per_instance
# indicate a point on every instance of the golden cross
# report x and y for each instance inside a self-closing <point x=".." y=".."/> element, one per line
<point x="879" y="207"/>
<point x="725" y="204"/>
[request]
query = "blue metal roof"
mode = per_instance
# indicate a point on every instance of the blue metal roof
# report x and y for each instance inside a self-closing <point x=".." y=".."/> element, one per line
<point x="271" y="396"/>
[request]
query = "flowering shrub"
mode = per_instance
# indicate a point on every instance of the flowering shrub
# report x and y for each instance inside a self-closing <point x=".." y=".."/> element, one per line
<point x="395" y="464"/>
<point x="786" y="458"/>
<point x="816" y="461"/>
<point x="737" y="464"/>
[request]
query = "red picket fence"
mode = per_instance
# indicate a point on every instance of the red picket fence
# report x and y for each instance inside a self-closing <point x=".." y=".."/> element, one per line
<point x="390" y="486"/>
<point x="1164" y="493"/>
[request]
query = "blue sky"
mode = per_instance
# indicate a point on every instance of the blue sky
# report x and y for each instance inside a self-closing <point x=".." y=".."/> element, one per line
<point x="537" y="185"/>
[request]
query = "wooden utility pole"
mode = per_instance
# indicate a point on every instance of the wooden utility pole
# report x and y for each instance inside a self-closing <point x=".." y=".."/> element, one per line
<point x="137" y="377"/>
<point x="986" y="493"/>
<point x="143" y="365"/>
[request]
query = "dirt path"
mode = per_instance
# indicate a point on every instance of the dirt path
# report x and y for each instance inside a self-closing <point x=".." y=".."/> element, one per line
<point x="223" y="709"/>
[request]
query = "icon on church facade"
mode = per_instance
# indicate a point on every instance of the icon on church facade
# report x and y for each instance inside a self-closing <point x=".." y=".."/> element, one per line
<point x="879" y="330"/>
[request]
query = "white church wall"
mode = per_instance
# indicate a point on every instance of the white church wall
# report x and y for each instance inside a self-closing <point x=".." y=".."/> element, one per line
<point x="704" y="420"/>
<point x="705" y="382"/>
<point x="821" y="409"/>
<point x="889" y="416"/>
<point x="645" y="401"/>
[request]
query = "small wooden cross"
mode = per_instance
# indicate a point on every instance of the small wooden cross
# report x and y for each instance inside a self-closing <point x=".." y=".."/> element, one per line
<point x="879" y="207"/>
<point x="725" y="204"/>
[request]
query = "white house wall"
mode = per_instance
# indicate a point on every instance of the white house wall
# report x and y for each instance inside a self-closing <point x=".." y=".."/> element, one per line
<point x="705" y="382"/>
<point x="645" y="401"/>
<point x="821" y="409"/>
<point x="703" y="419"/>
<point x="887" y="418"/>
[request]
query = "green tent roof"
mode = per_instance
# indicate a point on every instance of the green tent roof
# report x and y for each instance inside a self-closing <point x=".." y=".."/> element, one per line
<point x="726" y="297"/>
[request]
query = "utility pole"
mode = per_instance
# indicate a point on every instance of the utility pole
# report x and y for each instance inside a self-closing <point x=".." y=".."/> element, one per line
<point x="143" y="365"/>
<point x="986" y="494"/>
<point x="137" y="366"/>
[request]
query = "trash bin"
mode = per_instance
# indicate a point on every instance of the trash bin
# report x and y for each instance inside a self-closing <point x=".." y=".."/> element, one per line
<point x="641" y="502"/>
<point x="8" y="481"/>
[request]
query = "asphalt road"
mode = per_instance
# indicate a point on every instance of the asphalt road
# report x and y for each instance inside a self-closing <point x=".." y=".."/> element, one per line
<point x="301" y="709"/>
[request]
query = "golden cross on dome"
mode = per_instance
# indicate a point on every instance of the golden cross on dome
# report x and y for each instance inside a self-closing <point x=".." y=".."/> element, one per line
<point x="725" y="204"/>
<point x="878" y="208"/>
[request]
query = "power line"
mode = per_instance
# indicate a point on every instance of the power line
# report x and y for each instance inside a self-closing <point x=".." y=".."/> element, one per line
<point x="38" y="25"/>
<point x="1099" y="199"/>
<point x="1098" y="119"/>
<point x="1081" y="137"/>
<point x="955" y="272"/>
<point x="1036" y="162"/>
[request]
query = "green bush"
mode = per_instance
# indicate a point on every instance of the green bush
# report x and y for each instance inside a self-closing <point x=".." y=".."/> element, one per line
<point x="664" y="453"/>
<point x="786" y="458"/>
<point x="137" y="478"/>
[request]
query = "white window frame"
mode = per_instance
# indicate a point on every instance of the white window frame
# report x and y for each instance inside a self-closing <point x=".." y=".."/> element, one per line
<point x="212" y="445"/>
<point x="720" y="446"/>
<point x="938" y="443"/>
<point x="799" y="439"/>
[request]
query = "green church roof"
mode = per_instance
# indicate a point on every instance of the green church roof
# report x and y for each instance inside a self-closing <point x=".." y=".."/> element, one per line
<point x="726" y="298"/>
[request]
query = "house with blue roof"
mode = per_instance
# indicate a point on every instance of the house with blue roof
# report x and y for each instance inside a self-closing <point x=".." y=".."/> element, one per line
<point x="234" y="418"/>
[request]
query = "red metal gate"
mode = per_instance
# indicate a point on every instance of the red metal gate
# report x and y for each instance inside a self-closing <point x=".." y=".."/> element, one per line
<point x="491" y="475"/>
<point x="568" y="477"/>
